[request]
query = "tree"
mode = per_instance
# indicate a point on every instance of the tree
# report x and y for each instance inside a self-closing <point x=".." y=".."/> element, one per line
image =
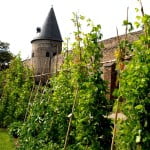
<point x="4" y="46"/>
<point x="5" y="55"/>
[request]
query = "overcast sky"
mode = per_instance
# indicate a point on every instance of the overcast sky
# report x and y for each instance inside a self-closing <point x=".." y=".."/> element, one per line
<point x="19" y="18"/>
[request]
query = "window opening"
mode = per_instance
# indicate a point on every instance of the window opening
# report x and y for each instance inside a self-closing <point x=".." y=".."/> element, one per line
<point x="47" y="54"/>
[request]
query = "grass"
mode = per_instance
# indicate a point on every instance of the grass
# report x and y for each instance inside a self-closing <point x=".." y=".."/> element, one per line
<point x="6" y="141"/>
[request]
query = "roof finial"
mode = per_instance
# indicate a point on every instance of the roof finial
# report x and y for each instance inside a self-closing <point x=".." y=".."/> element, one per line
<point x="51" y="6"/>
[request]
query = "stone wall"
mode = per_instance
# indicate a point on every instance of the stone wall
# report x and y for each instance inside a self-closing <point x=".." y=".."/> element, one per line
<point x="108" y="61"/>
<point x="52" y="64"/>
<point x="112" y="43"/>
<point x="56" y="62"/>
<point x="42" y="53"/>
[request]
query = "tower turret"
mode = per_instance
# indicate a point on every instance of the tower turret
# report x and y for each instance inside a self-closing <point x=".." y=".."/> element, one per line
<point x="46" y="44"/>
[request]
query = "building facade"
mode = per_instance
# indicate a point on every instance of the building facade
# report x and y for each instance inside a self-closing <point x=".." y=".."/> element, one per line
<point x="47" y="46"/>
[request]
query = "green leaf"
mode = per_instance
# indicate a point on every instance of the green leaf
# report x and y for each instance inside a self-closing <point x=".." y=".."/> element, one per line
<point x="139" y="107"/>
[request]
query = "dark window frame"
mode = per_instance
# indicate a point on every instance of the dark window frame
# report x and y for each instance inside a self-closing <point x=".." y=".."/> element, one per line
<point x="54" y="54"/>
<point x="47" y="54"/>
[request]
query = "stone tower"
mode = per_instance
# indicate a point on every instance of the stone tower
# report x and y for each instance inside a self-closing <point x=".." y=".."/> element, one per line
<point x="46" y="45"/>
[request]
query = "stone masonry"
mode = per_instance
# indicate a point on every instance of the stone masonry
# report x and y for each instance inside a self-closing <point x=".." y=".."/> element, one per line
<point x="47" y="58"/>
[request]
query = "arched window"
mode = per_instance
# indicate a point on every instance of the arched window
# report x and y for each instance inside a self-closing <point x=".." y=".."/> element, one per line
<point x="47" y="54"/>
<point x="32" y="54"/>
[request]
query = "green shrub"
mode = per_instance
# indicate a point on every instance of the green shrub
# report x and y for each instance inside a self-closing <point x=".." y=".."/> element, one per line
<point x="16" y="89"/>
<point x="14" y="129"/>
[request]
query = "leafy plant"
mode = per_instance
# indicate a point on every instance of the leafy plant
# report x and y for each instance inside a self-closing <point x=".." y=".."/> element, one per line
<point x="134" y="133"/>
<point x="14" y="129"/>
<point x="72" y="113"/>
<point x="15" y="93"/>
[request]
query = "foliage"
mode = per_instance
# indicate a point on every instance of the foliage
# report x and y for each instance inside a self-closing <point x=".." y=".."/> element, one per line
<point x="134" y="133"/>
<point x="2" y="79"/>
<point x="5" y="55"/>
<point x="72" y="113"/>
<point x="35" y="132"/>
<point x="92" y="129"/>
<point x="4" y="46"/>
<point x="14" y="129"/>
<point x="15" y="92"/>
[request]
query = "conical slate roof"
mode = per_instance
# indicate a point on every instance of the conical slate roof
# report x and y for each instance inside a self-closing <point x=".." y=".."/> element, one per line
<point x="50" y="29"/>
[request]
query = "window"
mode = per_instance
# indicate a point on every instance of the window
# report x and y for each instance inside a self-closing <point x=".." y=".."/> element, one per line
<point x="54" y="54"/>
<point x="32" y="54"/>
<point x="47" y="54"/>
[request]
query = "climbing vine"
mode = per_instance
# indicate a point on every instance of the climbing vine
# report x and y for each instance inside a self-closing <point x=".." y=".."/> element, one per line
<point x="134" y="133"/>
<point x="75" y="114"/>
<point x="16" y="83"/>
<point x="70" y="111"/>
